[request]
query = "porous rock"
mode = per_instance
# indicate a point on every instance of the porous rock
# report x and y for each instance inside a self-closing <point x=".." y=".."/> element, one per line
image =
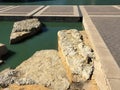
<point x="45" y="68"/>
<point x="8" y="77"/>
<point x="77" y="57"/>
<point x="23" y="29"/>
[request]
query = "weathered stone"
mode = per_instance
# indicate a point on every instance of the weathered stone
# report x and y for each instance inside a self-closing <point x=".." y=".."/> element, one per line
<point x="75" y="55"/>
<point x="3" y="49"/>
<point x="23" y="29"/>
<point x="8" y="77"/>
<point x="25" y="81"/>
<point x="45" y="68"/>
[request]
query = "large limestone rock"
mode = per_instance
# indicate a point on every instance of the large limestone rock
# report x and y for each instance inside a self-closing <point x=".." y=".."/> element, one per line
<point x="23" y="29"/>
<point x="44" y="68"/>
<point x="77" y="57"/>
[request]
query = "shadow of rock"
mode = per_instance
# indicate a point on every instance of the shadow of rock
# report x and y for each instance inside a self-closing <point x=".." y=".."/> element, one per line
<point x="44" y="28"/>
<point x="8" y="55"/>
<point x="76" y="86"/>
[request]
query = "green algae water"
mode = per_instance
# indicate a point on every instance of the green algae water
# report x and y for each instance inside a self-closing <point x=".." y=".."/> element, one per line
<point x="60" y="2"/>
<point x="45" y="40"/>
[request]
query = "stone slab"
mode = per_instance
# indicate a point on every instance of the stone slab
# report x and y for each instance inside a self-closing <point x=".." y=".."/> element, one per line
<point x="102" y="10"/>
<point x="2" y="7"/>
<point x="22" y="10"/>
<point x="59" y="11"/>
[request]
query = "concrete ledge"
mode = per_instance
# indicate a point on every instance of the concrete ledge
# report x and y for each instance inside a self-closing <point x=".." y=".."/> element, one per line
<point x="107" y="72"/>
<point x="13" y="18"/>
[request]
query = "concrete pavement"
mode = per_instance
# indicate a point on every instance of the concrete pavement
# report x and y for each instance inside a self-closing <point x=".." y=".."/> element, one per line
<point x="102" y="24"/>
<point x="44" y="13"/>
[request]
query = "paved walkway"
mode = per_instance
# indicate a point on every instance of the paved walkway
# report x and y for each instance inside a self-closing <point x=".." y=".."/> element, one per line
<point x="107" y="21"/>
<point x="22" y="10"/>
<point x="45" y="13"/>
<point x="102" y="23"/>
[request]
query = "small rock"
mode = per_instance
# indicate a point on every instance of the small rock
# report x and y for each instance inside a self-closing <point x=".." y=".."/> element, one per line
<point x="23" y="29"/>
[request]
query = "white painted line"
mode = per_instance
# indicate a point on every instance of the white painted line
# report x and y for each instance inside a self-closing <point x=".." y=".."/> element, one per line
<point x="41" y="11"/>
<point x="35" y="10"/>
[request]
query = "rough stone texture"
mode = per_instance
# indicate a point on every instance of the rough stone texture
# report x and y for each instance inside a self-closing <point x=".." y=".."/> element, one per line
<point x="10" y="76"/>
<point x="43" y="71"/>
<point x="77" y="57"/>
<point x="23" y="29"/>
<point x="7" y="77"/>
<point x="45" y="68"/>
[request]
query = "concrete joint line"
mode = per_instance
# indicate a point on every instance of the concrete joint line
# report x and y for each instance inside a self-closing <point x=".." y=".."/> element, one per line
<point x="35" y="11"/>
<point x="41" y="11"/>
<point x="75" y="10"/>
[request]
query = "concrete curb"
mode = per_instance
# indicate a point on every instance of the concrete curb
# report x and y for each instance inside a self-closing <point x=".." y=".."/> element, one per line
<point x="107" y="72"/>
